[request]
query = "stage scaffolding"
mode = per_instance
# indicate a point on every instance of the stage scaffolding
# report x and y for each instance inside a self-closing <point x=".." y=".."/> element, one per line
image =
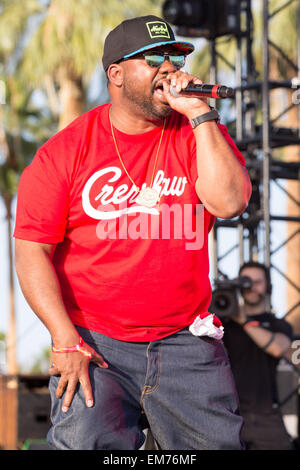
<point x="257" y="141"/>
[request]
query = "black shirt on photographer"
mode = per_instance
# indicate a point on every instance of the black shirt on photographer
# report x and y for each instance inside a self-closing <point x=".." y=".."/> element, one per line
<point x="254" y="370"/>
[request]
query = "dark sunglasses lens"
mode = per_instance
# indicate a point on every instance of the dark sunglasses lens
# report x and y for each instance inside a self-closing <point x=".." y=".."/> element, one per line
<point x="177" y="60"/>
<point x="156" y="60"/>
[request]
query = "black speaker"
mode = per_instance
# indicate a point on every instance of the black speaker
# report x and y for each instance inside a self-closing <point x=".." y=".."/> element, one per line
<point x="33" y="407"/>
<point x="25" y="406"/>
<point x="287" y="386"/>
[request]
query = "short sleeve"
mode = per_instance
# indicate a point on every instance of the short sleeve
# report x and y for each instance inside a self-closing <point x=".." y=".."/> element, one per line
<point x="237" y="153"/>
<point x="231" y="143"/>
<point x="42" y="201"/>
<point x="279" y="325"/>
<point x="235" y="150"/>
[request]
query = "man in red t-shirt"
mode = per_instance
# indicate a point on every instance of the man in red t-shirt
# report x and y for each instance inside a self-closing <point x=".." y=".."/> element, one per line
<point x="112" y="226"/>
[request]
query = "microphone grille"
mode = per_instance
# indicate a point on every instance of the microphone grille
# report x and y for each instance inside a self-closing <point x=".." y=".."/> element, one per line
<point x="173" y="92"/>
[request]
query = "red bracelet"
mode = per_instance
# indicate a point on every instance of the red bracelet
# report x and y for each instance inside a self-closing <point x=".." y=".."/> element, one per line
<point x="249" y="324"/>
<point x="77" y="348"/>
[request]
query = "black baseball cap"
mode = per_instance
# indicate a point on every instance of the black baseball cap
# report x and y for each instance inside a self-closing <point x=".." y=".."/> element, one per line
<point x="137" y="35"/>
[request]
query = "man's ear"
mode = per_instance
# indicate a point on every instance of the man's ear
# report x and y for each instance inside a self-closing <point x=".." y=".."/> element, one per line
<point x="115" y="74"/>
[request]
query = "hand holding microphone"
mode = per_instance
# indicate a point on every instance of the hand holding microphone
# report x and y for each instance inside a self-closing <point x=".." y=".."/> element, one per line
<point x="204" y="90"/>
<point x="185" y="86"/>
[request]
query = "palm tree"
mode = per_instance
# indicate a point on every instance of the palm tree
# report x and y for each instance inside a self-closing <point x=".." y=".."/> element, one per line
<point x="13" y="24"/>
<point x="15" y="149"/>
<point x="67" y="44"/>
<point x="19" y="138"/>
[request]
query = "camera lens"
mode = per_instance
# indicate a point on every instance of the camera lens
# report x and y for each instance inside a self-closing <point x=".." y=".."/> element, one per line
<point x="222" y="302"/>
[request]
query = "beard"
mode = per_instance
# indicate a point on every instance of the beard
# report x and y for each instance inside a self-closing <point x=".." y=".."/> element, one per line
<point x="145" y="103"/>
<point x="260" y="298"/>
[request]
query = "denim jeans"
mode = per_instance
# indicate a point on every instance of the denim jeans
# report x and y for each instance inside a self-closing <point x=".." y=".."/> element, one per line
<point x="182" y="384"/>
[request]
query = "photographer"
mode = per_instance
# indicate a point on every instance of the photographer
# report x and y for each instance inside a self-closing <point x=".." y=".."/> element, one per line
<point x="255" y="340"/>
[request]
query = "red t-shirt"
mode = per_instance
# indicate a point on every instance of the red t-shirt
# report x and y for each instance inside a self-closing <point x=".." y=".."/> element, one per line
<point x="126" y="271"/>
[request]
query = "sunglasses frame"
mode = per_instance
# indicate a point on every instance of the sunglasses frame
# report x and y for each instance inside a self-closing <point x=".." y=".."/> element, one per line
<point x="164" y="55"/>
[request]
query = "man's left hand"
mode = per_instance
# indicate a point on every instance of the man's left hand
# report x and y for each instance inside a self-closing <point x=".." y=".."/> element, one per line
<point x="190" y="106"/>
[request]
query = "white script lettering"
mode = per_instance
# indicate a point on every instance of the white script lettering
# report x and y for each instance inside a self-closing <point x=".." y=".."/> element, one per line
<point x="118" y="195"/>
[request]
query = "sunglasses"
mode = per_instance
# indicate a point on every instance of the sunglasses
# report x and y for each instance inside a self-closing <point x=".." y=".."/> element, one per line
<point x="157" y="58"/>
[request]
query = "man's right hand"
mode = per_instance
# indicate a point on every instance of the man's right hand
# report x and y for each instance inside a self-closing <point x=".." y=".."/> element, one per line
<point x="240" y="317"/>
<point x="73" y="367"/>
<point x="41" y="289"/>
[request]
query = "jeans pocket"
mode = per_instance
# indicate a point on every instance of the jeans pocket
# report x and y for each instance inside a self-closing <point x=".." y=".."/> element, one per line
<point x="211" y="350"/>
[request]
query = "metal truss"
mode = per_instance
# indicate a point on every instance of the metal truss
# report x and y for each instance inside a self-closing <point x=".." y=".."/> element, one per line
<point x="257" y="143"/>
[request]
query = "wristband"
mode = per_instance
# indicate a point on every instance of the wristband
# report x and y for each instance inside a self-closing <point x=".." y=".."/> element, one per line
<point x="245" y="322"/>
<point x="77" y="348"/>
<point x="269" y="342"/>
<point x="250" y="323"/>
<point x="210" y="116"/>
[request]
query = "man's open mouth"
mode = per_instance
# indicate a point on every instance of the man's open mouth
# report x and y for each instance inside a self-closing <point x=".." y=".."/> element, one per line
<point x="159" y="90"/>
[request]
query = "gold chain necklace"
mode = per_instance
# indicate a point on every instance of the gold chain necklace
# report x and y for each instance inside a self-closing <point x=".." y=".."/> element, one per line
<point x="147" y="196"/>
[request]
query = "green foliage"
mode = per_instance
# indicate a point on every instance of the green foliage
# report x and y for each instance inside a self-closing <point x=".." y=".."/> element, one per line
<point x="8" y="181"/>
<point x="23" y="129"/>
<point x="14" y="17"/>
<point x="72" y="34"/>
<point x="41" y="363"/>
<point x="284" y="32"/>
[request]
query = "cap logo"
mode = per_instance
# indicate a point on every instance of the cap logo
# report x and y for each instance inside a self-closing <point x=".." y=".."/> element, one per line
<point x="158" y="29"/>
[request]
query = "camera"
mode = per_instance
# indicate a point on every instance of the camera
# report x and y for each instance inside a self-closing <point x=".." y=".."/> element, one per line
<point x="225" y="296"/>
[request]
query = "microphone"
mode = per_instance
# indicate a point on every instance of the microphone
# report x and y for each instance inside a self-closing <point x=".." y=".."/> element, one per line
<point x="208" y="91"/>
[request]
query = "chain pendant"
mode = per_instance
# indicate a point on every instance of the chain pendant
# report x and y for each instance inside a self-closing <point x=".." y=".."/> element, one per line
<point x="148" y="197"/>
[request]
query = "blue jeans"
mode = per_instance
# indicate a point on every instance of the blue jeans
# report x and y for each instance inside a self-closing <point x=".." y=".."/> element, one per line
<point x="182" y="384"/>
